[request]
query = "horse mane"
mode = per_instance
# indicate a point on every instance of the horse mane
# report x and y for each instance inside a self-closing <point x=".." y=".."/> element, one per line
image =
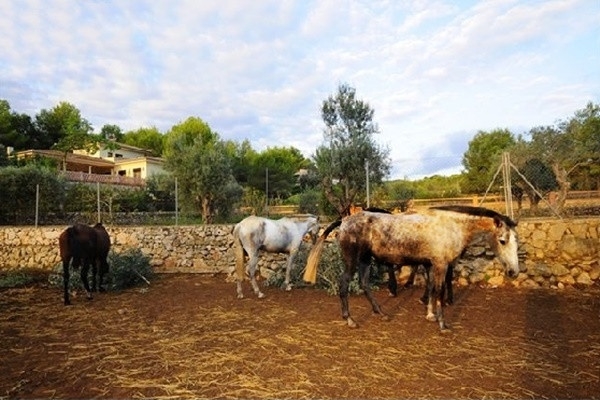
<point x="377" y="210"/>
<point x="478" y="212"/>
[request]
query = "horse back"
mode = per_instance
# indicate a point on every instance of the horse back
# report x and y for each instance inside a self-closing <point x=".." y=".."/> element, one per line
<point x="403" y="238"/>
<point x="78" y="241"/>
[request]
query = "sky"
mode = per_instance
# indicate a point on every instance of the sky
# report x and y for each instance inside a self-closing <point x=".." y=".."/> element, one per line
<point x="434" y="72"/>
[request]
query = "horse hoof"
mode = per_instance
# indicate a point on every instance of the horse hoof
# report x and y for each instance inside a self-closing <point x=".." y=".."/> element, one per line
<point x="431" y="317"/>
<point x="288" y="288"/>
<point x="385" y="317"/>
<point x="261" y="295"/>
<point x="240" y="296"/>
<point x="351" y="323"/>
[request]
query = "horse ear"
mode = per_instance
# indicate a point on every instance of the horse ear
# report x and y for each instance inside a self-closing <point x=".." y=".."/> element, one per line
<point x="498" y="221"/>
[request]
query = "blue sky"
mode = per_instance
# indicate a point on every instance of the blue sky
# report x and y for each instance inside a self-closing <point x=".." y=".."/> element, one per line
<point x="435" y="72"/>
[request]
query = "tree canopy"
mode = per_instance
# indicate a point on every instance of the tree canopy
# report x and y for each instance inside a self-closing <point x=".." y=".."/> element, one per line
<point x="199" y="160"/>
<point x="350" y="149"/>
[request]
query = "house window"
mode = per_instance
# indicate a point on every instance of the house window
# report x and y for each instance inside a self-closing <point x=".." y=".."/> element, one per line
<point x="117" y="155"/>
<point x="110" y="154"/>
<point x="137" y="172"/>
<point x="122" y="172"/>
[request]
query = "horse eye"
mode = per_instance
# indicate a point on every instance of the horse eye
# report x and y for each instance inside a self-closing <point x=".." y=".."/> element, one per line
<point x="502" y="242"/>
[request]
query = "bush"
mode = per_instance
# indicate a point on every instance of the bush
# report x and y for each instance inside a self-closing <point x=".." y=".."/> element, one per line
<point x="128" y="269"/>
<point x="330" y="269"/>
<point x="13" y="279"/>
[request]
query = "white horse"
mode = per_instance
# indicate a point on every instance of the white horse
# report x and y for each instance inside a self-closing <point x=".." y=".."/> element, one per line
<point x="274" y="236"/>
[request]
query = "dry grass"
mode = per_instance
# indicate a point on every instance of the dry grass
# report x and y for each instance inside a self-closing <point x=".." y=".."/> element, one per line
<point x="188" y="337"/>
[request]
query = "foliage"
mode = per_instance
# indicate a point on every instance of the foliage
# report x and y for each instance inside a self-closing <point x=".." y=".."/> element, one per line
<point x="16" y="130"/>
<point x="482" y="158"/>
<point x="280" y="166"/>
<point x="146" y="138"/>
<point x="20" y="278"/>
<point x="200" y="161"/>
<point x="70" y="130"/>
<point x="127" y="269"/>
<point x="19" y="186"/>
<point x="161" y="189"/>
<point x="567" y="148"/>
<point x="349" y="145"/>
<point x="309" y="202"/>
<point x="111" y="133"/>
<point x="538" y="175"/>
<point x="331" y="268"/>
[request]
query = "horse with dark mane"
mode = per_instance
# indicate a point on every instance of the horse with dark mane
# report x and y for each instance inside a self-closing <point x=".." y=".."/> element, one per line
<point x="86" y="246"/>
<point x="393" y="282"/>
<point x="435" y="237"/>
<point x="283" y="235"/>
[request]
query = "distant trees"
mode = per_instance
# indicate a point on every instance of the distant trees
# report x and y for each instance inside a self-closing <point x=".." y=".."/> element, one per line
<point x="483" y="156"/>
<point x="215" y="176"/>
<point x="146" y="138"/>
<point x="563" y="151"/>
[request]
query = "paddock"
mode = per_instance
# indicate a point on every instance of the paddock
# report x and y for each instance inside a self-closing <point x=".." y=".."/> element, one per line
<point x="188" y="336"/>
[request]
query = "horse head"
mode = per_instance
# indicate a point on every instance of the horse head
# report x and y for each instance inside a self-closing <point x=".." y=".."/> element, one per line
<point x="506" y="245"/>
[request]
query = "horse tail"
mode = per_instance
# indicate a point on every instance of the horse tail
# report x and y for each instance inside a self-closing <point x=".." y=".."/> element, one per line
<point x="312" y="262"/>
<point x="238" y="251"/>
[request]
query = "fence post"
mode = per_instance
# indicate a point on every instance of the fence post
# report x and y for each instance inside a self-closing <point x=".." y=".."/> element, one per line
<point x="99" y="220"/>
<point x="37" y="203"/>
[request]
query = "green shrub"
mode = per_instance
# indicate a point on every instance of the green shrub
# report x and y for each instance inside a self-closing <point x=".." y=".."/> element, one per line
<point x="13" y="279"/>
<point x="330" y="269"/>
<point x="128" y="269"/>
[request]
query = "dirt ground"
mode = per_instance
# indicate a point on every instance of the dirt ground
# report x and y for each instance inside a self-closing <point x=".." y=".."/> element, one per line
<point x="187" y="336"/>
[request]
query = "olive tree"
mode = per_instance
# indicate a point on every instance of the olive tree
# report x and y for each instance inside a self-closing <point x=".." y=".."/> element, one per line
<point x="349" y="150"/>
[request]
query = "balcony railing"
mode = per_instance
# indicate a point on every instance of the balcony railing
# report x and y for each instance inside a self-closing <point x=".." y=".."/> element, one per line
<point x="109" y="179"/>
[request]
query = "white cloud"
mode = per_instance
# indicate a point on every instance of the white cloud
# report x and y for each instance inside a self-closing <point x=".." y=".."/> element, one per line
<point x="261" y="70"/>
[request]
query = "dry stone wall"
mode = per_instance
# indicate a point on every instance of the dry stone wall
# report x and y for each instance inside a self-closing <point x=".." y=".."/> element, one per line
<point x="554" y="253"/>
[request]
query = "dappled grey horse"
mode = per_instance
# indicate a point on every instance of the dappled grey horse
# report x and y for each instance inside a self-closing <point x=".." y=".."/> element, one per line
<point x="436" y="237"/>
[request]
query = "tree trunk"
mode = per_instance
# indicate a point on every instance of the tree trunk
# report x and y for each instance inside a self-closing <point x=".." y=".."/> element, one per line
<point x="207" y="216"/>
<point x="563" y="185"/>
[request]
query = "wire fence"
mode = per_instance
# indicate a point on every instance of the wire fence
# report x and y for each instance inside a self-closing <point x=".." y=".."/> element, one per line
<point x="531" y="189"/>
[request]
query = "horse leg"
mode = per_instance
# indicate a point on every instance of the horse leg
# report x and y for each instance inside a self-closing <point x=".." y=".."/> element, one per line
<point x="425" y="298"/>
<point x="84" y="277"/>
<point x="449" y="278"/>
<point x="344" y="282"/>
<point x="94" y="272"/>
<point x="364" y="285"/>
<point x="288" y="268"/>
<point x="252" y="270"/>
<point x="66" y="262"/>
<point x="392" y="283"/>
<point x="411" y="278"/>
<point x="436" y="293"/>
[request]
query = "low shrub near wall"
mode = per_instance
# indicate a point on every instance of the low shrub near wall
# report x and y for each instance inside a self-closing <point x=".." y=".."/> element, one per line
<point x="554" y="253"/>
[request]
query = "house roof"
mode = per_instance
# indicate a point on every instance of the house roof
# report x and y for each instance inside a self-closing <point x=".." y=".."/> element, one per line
<point x="71" y="158"/>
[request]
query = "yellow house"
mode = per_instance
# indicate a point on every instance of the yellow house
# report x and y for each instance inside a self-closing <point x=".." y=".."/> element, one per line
<point x="129" y="161"/>
<point x="121" y="165"/>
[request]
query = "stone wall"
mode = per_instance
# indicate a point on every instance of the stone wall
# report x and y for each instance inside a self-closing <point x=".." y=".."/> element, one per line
<point x="555" y="253"/>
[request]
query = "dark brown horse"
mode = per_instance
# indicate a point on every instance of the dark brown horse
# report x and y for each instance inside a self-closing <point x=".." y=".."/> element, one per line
<point x="435" y="237"/>
<point x="86" y="246"/>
